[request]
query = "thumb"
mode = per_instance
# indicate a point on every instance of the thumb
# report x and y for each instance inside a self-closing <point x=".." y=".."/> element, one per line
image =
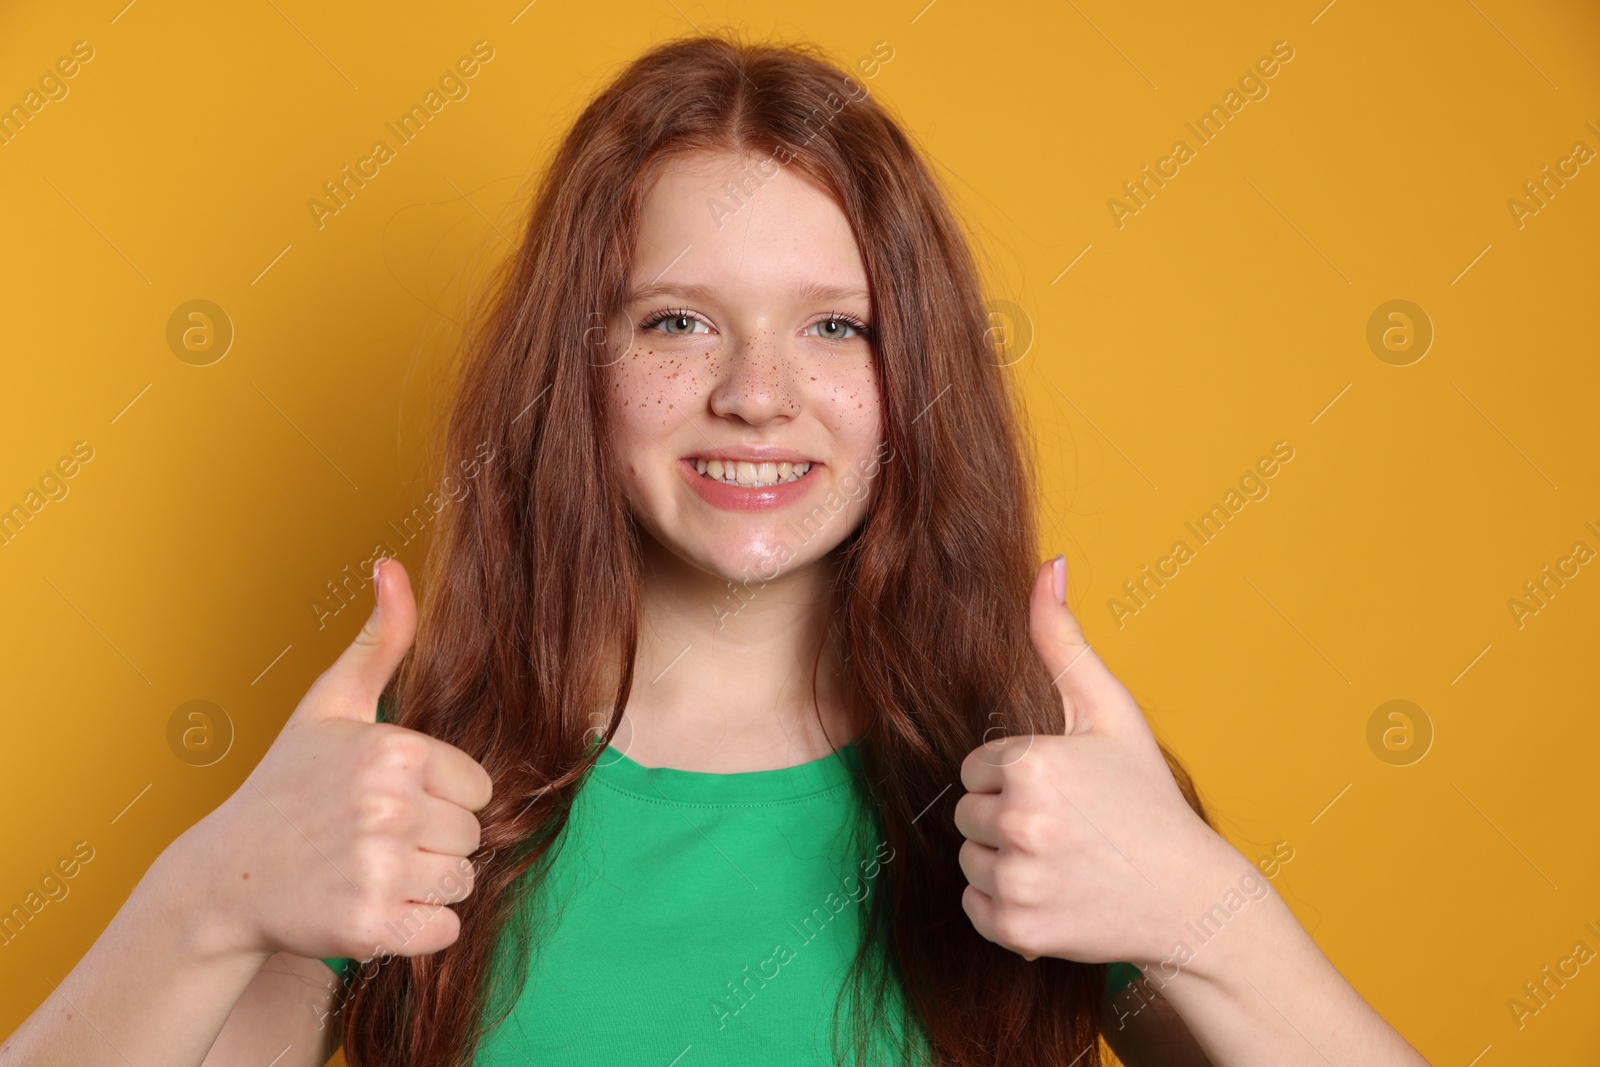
<point x="1076" y="670"/>
<point x="358" y="677"/>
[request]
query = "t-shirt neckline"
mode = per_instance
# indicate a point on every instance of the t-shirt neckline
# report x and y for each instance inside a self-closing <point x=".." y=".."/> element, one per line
<point x="615" y="768"/>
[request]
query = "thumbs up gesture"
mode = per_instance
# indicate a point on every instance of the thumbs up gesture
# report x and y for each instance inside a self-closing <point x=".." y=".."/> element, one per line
<point x="350" y="837"/>
<point x="1081" y="846"/>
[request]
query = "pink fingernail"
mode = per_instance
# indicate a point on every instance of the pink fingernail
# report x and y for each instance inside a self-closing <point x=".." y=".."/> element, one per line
<point x="377" y="586"/>
<point x="1059" y="578"/>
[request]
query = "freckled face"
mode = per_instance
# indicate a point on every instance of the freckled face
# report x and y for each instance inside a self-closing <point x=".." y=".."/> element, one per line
<point x="728" y="355"/>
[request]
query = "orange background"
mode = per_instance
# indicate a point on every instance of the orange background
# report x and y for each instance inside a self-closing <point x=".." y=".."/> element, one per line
<point x="1228" y="313"/>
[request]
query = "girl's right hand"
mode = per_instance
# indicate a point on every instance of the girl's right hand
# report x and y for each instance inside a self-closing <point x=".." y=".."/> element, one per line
<point x="350" y="835"/>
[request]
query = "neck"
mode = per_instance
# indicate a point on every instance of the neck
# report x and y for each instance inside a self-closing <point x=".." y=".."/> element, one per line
<point x="723" y="677"/>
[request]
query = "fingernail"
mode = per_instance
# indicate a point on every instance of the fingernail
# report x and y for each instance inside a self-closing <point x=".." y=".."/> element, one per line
<point x="377" y="586"/>
<point x="1059" y="578"/>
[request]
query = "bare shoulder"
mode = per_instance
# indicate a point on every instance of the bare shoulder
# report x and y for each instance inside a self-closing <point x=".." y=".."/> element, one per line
<point x="1145" y="1030"/>
<point x="290" y="1010"/>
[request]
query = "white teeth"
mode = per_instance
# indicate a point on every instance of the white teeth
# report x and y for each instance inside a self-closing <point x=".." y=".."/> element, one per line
<point x="748" y="474"/>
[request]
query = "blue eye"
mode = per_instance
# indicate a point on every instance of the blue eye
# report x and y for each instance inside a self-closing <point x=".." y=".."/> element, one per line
<point x="681" y="322"/>
<point x="672" y="317"/>
<point x="842" y="323"/>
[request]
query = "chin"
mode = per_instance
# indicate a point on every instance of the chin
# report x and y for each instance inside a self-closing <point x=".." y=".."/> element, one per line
<point x="748" y="547"/>
<point x="752" y="555"/>
<point x="756" y="556"/>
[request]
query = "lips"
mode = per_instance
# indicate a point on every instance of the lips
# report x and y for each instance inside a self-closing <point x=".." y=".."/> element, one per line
<point x="760" y="493"/>
<point x="749" y="472"/>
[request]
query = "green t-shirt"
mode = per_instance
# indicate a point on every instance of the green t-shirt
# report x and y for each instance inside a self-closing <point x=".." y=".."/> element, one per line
<point x="694" y="910"/>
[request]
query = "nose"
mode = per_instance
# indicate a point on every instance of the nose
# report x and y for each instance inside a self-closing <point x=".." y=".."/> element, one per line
<point x="755" y="383"/>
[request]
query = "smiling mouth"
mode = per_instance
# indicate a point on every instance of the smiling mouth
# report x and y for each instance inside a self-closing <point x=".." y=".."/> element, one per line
<point x="750" y="475"/>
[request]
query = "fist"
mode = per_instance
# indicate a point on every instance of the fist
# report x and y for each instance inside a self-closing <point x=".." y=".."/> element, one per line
<point x="351" y="836"/>
<point x="1081" y="846"/>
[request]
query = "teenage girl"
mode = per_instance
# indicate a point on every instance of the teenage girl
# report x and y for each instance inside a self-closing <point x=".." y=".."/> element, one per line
<point x="738" y="725"/>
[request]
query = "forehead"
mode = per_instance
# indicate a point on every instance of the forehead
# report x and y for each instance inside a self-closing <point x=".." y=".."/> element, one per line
<point x="743" y="225"/>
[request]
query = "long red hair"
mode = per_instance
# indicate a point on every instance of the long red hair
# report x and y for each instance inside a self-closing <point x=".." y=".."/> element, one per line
<point x="531" y="587"/>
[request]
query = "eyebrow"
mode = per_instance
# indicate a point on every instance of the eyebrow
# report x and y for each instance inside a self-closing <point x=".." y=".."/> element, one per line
<point x="694" y="291"/>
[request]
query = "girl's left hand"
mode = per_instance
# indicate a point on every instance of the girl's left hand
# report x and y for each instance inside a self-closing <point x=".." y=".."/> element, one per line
<point x="1081" y="845"/>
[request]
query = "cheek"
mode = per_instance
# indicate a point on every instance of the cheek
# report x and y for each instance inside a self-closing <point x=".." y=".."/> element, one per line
<point x="650" y="388"/>
<point x="854" y="405"/>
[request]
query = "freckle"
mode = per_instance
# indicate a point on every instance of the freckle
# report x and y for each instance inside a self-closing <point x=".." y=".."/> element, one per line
<point x="246" y="876"/>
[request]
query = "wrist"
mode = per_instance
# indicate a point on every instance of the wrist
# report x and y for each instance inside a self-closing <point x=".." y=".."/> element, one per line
<point x="1232" y="912"/>
<point x="1216" y="887"/>
<point x="184" y="892"/>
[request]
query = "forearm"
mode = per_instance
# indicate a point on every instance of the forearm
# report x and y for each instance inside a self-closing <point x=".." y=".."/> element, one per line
<point x="153" y="991"/>
<point x="1255" y="991"/>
